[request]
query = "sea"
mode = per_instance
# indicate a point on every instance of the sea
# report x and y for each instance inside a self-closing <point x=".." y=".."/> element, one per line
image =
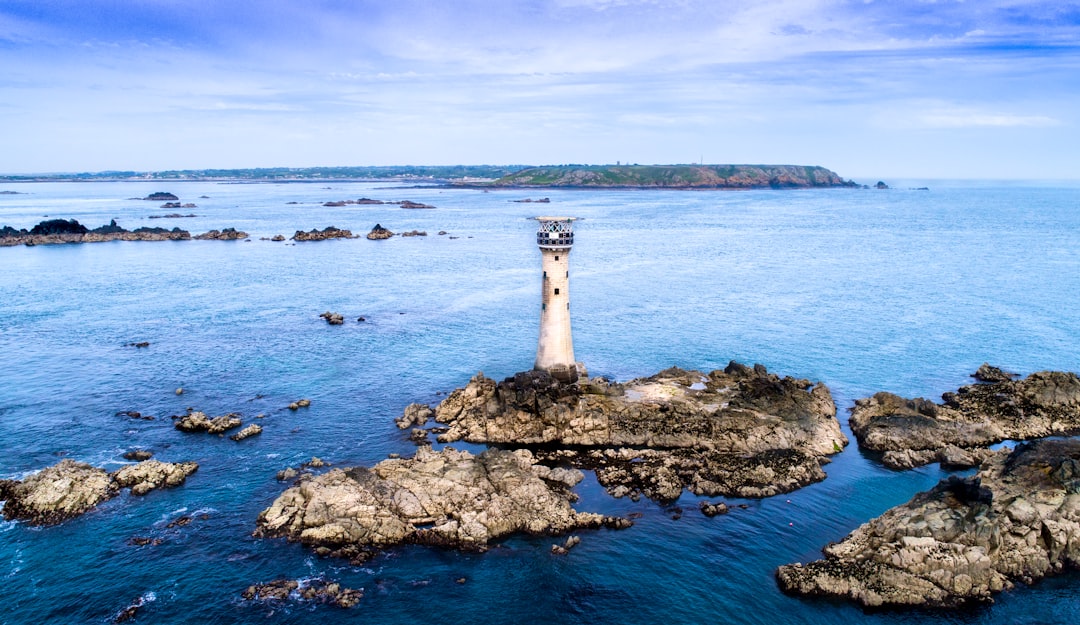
<point x="905" y="290"/>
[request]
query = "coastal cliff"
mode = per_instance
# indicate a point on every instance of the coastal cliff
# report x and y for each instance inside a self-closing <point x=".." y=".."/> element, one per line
<point x="676" y="177"/>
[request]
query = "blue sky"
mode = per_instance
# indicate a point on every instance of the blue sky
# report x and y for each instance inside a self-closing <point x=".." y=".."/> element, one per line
<point x="870" y="89"/>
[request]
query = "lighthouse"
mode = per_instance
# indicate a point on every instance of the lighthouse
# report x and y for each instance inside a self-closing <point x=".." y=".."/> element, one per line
<point x="555" y="349"/>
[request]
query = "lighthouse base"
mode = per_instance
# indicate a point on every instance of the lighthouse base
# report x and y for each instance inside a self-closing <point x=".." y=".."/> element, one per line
<point x="567" y="374"/>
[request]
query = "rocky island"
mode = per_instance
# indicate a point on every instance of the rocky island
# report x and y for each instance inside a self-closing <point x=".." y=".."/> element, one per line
<point x="69" y="488"/>
<point x="675" y="177"/>
<point x="959" y="431"/>
<point x="446" y="498"/>
<point x="740" y="431"/>
<point x="1016" y="520"/>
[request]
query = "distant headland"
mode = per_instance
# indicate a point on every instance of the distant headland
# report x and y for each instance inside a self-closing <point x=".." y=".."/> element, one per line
<point x="692" y="176"/>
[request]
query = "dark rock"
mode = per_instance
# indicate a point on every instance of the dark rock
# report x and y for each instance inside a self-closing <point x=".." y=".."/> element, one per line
<point x="138" y="455"/>
<point x="958" y="432"/>
<point x="333" y="318"/>
<point x="988" y="373"/>
<point x="365" y="200"/>
<point x="329" y="232"/>
<point x="228" y="234"/>
<point x="318" y="590"/>
<point x="161" y="196"/>
<point x="881" y="185"/>
<point x="410" y="204"/>
<point x="278" y="237"/>
<point x="414" y="233"/>
<point x="378" y="233"/>
<point x="59" y="226"/>
<point x="713" y="509"/>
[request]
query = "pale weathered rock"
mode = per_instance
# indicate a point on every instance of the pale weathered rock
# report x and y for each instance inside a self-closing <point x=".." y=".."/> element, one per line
<point x="69" y="488"/>
<point x="1018" y="519"/>
<point x="247" y="432"/>
<point x="914" y="432"/>
<point x="228" y="234"/>
<point x="414" y="415"/>
<point x="150" y="474"/>
<point x="448" y="497"/>
<point x="197" y="421"/>
<point x="738" y="432"/>
<point x="57" y="493"/>
<point x="378" y="233"/>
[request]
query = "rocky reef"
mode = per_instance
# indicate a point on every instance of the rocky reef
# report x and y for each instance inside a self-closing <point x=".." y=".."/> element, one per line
<point x="70" y="488"/>
<point x="228" y="234"/>
<point x="446" y="498"/>
<point x="1016" y="520"/>
<point x="329" y="232"/>
<point x="318" y="590"/>
<point x="55" y="231"/>
<point x="958" y="431"/>
<point x="197" y="421"/>
<point x="741" y="431"/>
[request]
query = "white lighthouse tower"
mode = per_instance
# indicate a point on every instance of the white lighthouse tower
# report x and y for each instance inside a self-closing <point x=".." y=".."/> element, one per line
<point x="555" y="349"/>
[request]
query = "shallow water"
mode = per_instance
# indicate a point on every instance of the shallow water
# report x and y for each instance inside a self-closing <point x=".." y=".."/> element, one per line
<point x="866" y="290"/>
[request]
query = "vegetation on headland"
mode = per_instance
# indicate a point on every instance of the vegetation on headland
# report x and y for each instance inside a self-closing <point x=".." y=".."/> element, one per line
<point x="568" y="176"/>
<point x="433" y="173"/>
<point x="676" y="176"/>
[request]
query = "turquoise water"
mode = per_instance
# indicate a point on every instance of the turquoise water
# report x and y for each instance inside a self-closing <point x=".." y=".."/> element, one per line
<point x="866" y="290"/>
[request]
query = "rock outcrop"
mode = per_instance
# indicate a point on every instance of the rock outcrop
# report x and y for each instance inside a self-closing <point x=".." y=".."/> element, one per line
<point x="161" y="196"/>
<point x="675" y="176"/>
<point x="446" y="498"/>
<point x="55" y="231"/>
<point x="378" y="233"/>
<point x="247" y="432"/>
<point x="196" y="421"/>
<point x="329" y="232"/>
<point x="228" y="234"/>
<point x="957" y="432"/>
<point x="333" y="318"/>
<point x="319" y="590"/>
<point x="1016" y="520"/>
<point x="145" y="476"/>
<point x="738" y="432"/>
<point x="70" y="488"/>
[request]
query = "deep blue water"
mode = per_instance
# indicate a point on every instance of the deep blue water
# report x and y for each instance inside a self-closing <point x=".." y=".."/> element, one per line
<point x="866" y="290"/>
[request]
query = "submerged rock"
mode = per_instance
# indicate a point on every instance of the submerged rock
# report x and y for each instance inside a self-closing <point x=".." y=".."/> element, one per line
<point x="333" y="318"/>
<point x="447" y="498"/>
<point x="309" y="590"/>
<point x="1016" y="520"/>
<point x="957" y="432"/>
<point x="739" y="432"/>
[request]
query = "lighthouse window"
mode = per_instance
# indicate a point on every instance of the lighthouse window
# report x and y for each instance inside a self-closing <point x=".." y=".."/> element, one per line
<point x="556" y="258"/>
<point x="543" y="306"/>
<point x="556" y="291"/>
<point x="545" y="274"/>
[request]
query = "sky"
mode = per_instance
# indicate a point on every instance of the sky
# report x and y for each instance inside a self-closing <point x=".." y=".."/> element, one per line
<point x="868" y="88"/>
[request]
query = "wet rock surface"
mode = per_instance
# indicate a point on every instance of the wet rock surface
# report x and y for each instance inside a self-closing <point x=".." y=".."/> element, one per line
<point x="318" y="590"/>
<point x="1016" y="520"/>
<point x="70" y="488"/>
<point x="958" y="431"/>
<point x="446" y="498"/>
<point x="741" y="431"/>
